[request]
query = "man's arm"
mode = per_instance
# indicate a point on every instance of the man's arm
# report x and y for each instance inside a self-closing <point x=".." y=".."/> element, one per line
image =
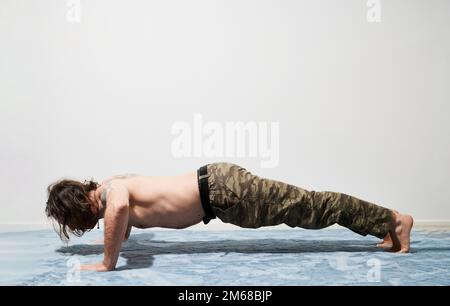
<point x="116" y="223"/>
<point x="127" y="233"/>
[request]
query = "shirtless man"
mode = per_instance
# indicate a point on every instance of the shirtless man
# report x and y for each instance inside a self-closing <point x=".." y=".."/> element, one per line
<point x="223" y="190"/>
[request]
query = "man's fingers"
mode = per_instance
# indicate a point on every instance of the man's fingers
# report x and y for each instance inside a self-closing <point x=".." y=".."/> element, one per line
<point x="88" y="267"/>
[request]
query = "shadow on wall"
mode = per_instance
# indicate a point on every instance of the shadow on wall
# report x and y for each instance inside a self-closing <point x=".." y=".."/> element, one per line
<point x="140" y="249"/>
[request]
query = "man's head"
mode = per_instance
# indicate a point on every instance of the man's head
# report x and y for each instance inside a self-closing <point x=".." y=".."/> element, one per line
<point x="70" y="204"/>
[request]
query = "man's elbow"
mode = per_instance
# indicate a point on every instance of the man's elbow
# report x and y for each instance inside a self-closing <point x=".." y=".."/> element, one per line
<point x="121" y="208"/>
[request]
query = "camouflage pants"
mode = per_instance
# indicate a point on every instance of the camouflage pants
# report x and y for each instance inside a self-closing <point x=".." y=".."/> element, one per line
<point x="239" y="197"/>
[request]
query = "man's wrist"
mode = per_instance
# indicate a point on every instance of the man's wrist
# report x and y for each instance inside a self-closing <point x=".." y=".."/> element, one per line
<point x="106" y="267"/>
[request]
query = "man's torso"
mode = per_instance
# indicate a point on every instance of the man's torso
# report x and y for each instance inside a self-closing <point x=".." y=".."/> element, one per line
<point x="159" y="201"/>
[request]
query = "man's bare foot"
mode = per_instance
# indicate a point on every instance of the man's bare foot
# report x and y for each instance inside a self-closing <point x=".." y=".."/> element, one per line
<point x="386" y="243"/>
<point x="400" y="233"/>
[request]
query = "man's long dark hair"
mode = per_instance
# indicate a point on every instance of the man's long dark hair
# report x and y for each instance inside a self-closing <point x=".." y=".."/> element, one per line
<point x="69" y="206"/>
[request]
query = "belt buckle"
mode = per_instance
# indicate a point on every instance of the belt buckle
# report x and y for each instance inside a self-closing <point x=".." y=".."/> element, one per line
<point x="203" y="176"/>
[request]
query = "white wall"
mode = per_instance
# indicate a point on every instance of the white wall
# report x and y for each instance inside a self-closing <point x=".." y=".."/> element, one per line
<point x="363" y="107"/>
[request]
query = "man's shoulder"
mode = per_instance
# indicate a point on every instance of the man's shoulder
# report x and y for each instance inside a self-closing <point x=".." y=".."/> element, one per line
<point x="120" y="177"/>
<point x="115" y="186"/>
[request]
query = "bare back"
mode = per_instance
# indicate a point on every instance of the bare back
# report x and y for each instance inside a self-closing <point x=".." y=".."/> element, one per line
<point x="160" y="201"/>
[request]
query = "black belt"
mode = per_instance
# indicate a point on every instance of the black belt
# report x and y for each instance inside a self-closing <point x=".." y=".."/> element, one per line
<point x="202" y="176"/>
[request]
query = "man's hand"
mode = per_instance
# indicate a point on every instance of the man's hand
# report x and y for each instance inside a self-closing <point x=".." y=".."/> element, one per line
<point x="100" y="267"/>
